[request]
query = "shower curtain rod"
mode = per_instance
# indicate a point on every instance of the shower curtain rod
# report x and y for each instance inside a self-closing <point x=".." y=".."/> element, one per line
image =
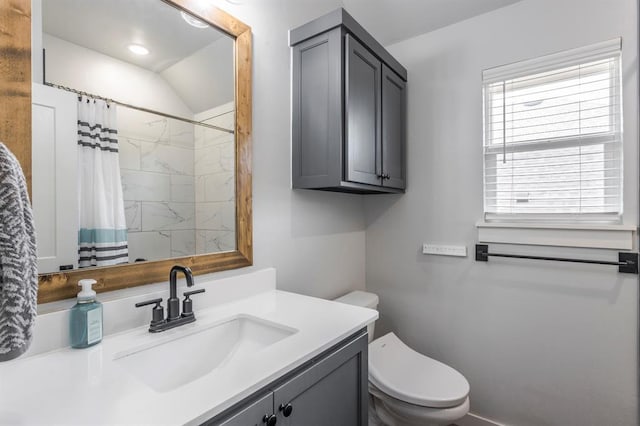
<point x="163" y="114"/>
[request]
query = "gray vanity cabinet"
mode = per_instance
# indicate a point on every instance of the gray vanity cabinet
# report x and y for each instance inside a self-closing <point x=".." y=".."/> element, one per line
<point x="331" y="389"/>
<point x="348" y="109"/>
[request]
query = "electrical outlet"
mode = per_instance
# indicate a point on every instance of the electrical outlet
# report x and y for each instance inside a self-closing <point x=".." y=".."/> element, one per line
<point x="458" y="251"/>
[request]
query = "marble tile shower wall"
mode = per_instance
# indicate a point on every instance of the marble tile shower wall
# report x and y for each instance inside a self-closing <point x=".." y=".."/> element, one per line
<point x="157" y="166"/>
<point x="215" y="184"/>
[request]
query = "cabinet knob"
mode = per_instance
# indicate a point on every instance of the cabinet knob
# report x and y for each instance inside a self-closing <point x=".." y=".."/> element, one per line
<point x="286" y="409"/>
<point x="270" y="419"/>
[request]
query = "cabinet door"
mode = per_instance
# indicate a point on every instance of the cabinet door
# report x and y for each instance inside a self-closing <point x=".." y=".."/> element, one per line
<point x="331" y="392"/>
<point x="249" y="415"/>
<point x="393" y="128"/>
<point x="362" y="114"/>
<point x="317" y="111"/>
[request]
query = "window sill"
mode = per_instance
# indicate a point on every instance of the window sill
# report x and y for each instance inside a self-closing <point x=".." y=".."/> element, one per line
<point x="617" y="237"/>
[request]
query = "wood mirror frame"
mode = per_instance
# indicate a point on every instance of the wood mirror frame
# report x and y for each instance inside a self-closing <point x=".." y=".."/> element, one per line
<point x="15" y="133"/>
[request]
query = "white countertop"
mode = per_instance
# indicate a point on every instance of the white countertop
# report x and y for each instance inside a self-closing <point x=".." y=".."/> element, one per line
<point x="87" y="387"/>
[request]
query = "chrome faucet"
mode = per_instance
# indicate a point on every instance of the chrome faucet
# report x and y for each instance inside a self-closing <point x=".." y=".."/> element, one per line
<point x="174" y="317"/>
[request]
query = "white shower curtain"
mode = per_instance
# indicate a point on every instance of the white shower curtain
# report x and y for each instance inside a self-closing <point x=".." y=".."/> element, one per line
<point x="102" y="238"/>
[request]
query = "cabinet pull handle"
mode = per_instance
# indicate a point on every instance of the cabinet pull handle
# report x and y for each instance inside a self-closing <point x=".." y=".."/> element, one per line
<point x="270" y="419"/>
<point x="286" y="409"/>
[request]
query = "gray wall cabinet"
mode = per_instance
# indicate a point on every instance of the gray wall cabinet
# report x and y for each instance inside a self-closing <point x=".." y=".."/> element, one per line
<point x="331" y="389"/>
<point x="348" y="109"/>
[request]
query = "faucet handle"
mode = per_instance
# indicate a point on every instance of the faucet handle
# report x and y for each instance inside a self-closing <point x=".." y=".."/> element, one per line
<point x="187" y="303"/>
<point x="149" y="302"/>
<point x="157" y="316"/>
<point x="189" y="293"/>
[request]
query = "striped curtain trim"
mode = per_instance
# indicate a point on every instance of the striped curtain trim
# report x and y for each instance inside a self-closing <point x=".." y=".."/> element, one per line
<point x="97" y="126"/>
<point x="97" y="137"/>
<point x="102" y="247"/>
<point x="100" y="236"/>
<point x="88" y="259"/>
<point x="89" y="255"/>
<point x="97" y="146"/>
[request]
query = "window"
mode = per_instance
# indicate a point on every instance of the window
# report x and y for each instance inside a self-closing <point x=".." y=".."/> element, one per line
<point x="553" y="138"/>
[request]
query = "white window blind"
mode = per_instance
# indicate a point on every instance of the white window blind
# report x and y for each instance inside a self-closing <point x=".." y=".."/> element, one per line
<point x="553" y="137"/>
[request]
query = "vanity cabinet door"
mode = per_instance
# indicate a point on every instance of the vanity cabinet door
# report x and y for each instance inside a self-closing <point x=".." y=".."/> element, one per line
<point x="333" y="391"/>
<point x="252" y="414"/>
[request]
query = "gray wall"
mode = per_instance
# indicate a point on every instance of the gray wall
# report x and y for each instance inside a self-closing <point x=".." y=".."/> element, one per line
<point x="540" y="343"/>
<point x="315" y="240"/>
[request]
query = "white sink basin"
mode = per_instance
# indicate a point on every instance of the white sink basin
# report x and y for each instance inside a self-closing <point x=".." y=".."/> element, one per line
<point x="185" y="356"/>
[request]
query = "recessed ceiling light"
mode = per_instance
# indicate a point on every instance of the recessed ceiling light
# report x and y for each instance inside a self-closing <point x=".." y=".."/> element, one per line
<point x="138" y="49"/>
<point x="194" y="22"/>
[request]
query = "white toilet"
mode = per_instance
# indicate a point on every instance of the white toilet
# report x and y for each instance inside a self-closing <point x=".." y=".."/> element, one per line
<point x="406" y="387"/>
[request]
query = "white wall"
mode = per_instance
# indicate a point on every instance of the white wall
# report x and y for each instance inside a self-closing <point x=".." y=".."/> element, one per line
<point x="540" y="343"/>
<point x="315" y="240"/>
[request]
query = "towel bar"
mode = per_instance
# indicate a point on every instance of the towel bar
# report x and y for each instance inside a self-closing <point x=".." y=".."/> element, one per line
<point x="627" y="261"/>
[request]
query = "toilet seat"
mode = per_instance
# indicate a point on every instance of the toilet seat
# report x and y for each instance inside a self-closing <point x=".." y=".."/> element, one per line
<point x="409" y="376"/>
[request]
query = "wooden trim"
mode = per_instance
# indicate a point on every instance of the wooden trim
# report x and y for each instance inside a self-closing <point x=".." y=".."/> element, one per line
<point x="64" y="285"/>
<point x="15" y="131"/>
<point x="15" y="81"/>
<point x="244" y="213"/>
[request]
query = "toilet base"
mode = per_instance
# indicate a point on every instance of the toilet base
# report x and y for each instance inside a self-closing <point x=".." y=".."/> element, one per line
<point x="388" y="411"/>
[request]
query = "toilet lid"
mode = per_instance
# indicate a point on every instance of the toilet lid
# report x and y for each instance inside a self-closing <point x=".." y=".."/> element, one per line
<point x="409" y="376"/>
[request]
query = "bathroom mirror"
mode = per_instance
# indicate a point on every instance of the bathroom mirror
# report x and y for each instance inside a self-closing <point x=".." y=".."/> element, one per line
<point x="159" y="171"/>
<point x="238" y="250"/>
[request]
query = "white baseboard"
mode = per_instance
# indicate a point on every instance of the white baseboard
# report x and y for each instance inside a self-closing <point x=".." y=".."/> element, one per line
<point x="475" y="420"/>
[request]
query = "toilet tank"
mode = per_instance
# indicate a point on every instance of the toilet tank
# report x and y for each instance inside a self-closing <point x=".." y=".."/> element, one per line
<point x="365" y="300"/>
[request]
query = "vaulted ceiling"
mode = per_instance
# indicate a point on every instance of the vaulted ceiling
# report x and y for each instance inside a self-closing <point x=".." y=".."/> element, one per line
<point x="391" y="21"/>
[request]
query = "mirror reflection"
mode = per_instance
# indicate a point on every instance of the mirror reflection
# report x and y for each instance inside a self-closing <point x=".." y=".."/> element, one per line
<point x="133" y="135"/>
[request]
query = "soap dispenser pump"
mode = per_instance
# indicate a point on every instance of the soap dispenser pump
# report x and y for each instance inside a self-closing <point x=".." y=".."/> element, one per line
<point x="86" y="317"/>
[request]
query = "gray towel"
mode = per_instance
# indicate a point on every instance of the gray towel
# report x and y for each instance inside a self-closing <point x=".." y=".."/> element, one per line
<point x="18" y="260"/>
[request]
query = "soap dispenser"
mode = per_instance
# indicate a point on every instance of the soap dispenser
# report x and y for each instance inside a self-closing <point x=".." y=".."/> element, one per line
<point x="86" y="317"/>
